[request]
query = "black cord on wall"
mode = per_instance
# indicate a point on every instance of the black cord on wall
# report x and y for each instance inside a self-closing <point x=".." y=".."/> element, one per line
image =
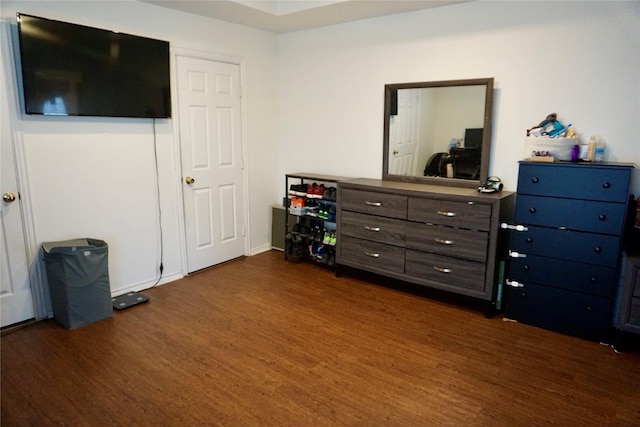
<point x="155" y="156"/>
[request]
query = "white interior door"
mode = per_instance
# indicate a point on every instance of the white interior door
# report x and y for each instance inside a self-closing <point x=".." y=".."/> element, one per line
<point x="212" y="161"/>
<point x="403" y="134"/>
<point x="15" y="291"/>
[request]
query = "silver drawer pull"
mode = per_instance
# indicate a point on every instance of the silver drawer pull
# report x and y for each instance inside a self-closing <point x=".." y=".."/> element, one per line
<point x="376" y="229"/>
<point x="442" y="269"/>
<point x="377" y="204"/>
<point x="444" y="241"/>
<point x="445" y="213"/>
<point x="514" y="254"/>
<point x="514" y="284"/>
<point x="372" y="254"/>
<point x="506" y="226"/>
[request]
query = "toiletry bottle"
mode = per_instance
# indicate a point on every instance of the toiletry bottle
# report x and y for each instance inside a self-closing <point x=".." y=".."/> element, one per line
<point x="575" y="153"/>
<point x="599" y="155"/>
<point x="591" y="149"/>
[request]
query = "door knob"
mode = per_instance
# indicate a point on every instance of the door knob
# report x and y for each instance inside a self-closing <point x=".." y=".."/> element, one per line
<point x="395" y="151"/>
<point x="189" y="180"/>
<point x="9" y="197"/>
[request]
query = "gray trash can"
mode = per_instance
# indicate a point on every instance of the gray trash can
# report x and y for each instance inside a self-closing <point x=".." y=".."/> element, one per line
<point x="78" y="275"/>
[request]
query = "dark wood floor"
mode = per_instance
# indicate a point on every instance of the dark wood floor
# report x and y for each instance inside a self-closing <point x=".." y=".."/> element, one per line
<point x="262" y="342"/>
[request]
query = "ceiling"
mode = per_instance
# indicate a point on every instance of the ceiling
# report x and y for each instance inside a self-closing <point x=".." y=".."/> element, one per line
<point x="284" y="16"/>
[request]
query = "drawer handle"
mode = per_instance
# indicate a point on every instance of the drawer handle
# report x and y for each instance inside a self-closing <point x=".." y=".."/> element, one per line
<point x="372" y="254"/>
<point x="442" y="269"/>
<point x="535" y="180"/>
<point x="606" y="185"/>
<point x="445" y="213"/>
<point x="506" y="226"/>
<point x="532" y="210"/>
<point x="514" y="254"/>
<point x="376" y="229"/>
<point x="514" y="284"/>
<point x="602" y="217"/>
<point x="444" y="241"/>
<point x="376" y="204"/>
<point x="597" y="249"/>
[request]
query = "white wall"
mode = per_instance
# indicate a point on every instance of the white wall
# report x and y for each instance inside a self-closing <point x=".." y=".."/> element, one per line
<point x="95" y="177"/>
<point x="457" y="108"/>
<point x="579" y="59"/>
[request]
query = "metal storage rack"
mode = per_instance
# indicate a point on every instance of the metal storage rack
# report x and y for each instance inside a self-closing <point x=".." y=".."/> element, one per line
<point x="312" y="236"/>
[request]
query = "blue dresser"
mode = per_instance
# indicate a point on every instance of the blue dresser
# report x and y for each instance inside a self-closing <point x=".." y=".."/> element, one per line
<point x="565" y="247"/>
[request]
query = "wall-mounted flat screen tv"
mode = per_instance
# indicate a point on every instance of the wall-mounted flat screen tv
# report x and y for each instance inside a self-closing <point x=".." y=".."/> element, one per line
<point x="74" y="70"/>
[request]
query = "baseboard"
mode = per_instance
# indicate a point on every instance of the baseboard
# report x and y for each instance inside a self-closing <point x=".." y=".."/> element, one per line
<point x="139" y="287"/>
<point x="260" y="249"/>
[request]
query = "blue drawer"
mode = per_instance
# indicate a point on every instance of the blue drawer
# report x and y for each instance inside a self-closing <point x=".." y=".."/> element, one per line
<point x="575" y="276"/>
<point x="583" y="215"/>
<point x="568" y="312"/>
<point x="576" y="181"/>
<point x="589" y="248"/>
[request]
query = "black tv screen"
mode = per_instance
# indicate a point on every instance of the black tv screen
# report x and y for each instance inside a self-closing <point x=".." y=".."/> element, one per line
<point x="70" y="69"/>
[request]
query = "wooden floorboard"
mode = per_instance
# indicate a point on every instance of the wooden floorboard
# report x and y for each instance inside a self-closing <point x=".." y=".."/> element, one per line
<point x="262" y="342"/>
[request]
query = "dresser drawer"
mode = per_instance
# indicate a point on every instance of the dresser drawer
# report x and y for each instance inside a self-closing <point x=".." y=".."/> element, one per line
<point x="568" y="312"/>
<point x="585" y="278"/>
<point x="634" y="314"/>
<point x="455" y="214"/>
<point x="449" y="241"/>
<point x="389" y="205"/>
<point x="448" y="273"/>
<point x="371" y="227"/>
<point x="371" y="255"/>
<point x="574" y="214"/>
<point x="591" y="182"/>
<point x="568" y="245"/>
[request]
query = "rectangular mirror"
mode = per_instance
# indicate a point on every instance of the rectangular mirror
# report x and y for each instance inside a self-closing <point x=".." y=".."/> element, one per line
<point x="438" y="132"/>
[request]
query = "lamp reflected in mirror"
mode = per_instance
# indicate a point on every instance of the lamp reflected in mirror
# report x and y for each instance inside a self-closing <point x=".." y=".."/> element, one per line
<point x="438" y="132"/>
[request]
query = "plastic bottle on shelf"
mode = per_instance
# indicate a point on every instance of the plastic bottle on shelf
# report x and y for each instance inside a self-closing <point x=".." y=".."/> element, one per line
<point x="575" y="153"/>
<point x="591" y="149"/>
<point x="599" y="154"/>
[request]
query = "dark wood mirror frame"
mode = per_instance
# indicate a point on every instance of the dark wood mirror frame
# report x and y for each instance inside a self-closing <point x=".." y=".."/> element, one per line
<point x="390" y="99"/>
